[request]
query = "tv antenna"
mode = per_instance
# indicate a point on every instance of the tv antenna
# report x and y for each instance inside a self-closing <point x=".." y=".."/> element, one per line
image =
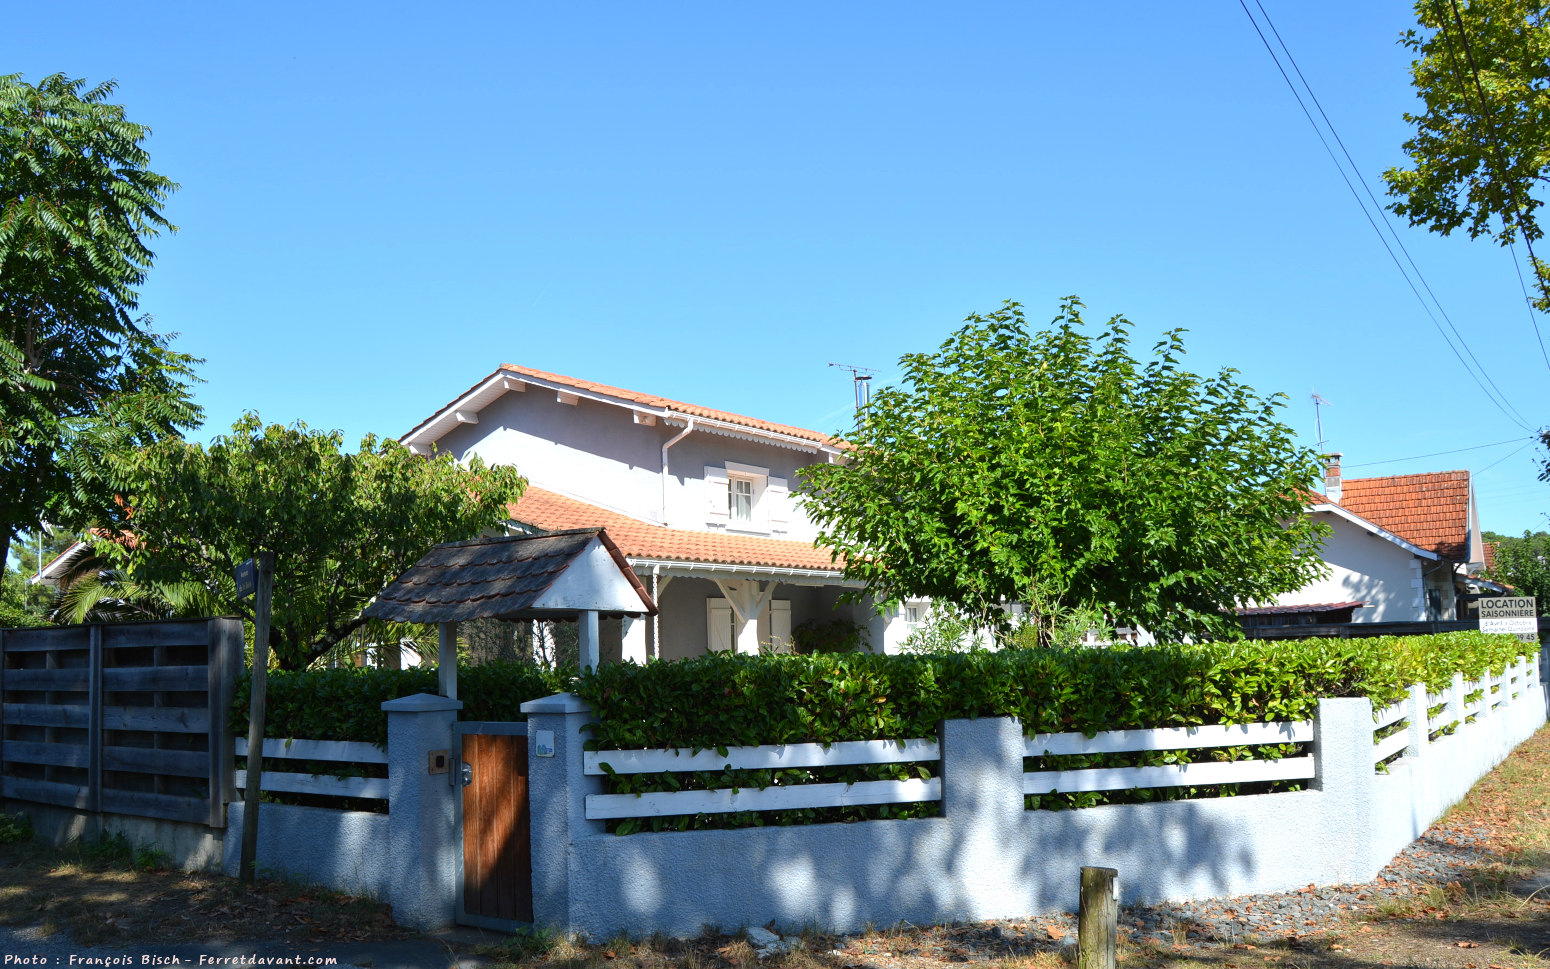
<point x="861" y="378"/>
<point x="1318" y="418"/>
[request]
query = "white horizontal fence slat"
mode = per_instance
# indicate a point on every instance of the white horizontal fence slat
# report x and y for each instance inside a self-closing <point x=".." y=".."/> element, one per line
<point x="1391" y="714"/>
<point x="350" y="751"/>
<point x="1390" y="745"/>
<point x="1169" y="738"/>
<point x="767" y="757"/>
<point x="1167" y="775"/>
<point x="1439" y="722"/>
<point x="602" y="807"/>
<point x="373" y="787"/>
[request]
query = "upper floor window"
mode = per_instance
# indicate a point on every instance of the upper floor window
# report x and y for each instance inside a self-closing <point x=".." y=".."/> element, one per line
<point x="740" y="499"/>
<point x="745" y="498"/>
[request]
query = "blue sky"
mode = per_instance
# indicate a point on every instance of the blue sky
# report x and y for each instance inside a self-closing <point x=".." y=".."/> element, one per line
<point x="382" y="202"/>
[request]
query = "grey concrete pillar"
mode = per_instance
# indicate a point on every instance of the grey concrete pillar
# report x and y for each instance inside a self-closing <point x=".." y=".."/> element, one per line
<point x="1344" y="776"/>
<point x="557" y="789"/>
<point x="982" y="801"/>
<point x="423" y="840"/>
<point x="1420" y="732"/>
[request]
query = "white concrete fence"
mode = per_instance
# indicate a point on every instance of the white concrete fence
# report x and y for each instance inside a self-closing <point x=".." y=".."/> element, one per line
<point x="1375" y="782"/>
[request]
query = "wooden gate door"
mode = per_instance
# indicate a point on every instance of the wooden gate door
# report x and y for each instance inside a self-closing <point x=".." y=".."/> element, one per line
<point x="495" y="886"/>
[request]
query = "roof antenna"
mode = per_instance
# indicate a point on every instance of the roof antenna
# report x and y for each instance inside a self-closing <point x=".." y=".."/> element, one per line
<point x="1318" y="418"/>
<point x="861" y="377"/>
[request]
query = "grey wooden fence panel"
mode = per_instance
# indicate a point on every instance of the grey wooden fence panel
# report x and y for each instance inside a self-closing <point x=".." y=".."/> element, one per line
<point x="94" y="732"/>
<point x="44" y="792"/>
<point x="44" y="715"/>
<point x="157" y="719"/>
<point x="76" y="659"/>
<point x="149" y="679"/>
<point x="76" y="680"/>
<point x="43" y="752"/>
<point x="226" y="661"/>
<point x="146" y="804"/>
<point x="173" y="632"/>
<point x="149" y="760"/>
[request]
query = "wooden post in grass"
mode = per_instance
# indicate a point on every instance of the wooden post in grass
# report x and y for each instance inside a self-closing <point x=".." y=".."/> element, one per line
<point x="260" y="688"/>
<point x="1097" y="930"/>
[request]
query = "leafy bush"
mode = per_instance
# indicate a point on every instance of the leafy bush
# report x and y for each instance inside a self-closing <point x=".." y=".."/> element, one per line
<point x="834" y="636"/>
<point x="725" y="700"/>
<point x="346" y="703"/>
<point x="15" y="828"/>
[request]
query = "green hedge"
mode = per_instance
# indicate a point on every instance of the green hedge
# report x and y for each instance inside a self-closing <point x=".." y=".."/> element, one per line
<point x="346" y="703"/>
<point x="729" y="700"/>
<point x="725" y="700"/>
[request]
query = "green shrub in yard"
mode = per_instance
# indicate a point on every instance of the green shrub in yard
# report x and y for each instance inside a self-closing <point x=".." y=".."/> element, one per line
<point x="14" y="828"/>
<point x="346" y="703"/>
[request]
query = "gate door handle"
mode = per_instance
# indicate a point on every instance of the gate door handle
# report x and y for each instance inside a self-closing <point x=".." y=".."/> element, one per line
<point x="466" y="774"/>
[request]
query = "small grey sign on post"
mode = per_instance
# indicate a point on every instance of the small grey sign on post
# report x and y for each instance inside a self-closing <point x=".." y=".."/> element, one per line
<point x="246" y="574"/>
<point x="1517" y="615"/>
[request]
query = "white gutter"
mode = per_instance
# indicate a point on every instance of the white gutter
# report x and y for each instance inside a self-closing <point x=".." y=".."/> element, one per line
<point x="688" y="426"/>
<point x="680" y="567"/>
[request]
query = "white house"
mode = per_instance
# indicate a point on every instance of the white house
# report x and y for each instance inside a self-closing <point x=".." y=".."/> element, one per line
<point x="1401" y="548"/>
<point x="702" y="502"/>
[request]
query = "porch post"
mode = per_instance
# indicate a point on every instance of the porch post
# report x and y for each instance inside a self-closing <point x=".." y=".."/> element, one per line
<point x="633" y="647"/>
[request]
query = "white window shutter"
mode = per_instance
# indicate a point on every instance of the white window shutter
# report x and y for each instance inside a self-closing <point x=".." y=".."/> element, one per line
<point x="777" y="502"/>
<point x="716" y="496"/>
<point x="780" y="624"/>
<point x="718" y="625"/>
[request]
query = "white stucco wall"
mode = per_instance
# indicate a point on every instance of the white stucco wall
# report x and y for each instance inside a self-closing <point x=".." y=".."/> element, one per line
<point x="597" y="453"/>
<point x="1369" y="568"/>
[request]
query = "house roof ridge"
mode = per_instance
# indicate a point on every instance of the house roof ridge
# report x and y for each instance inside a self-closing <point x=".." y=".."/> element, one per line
<point x="669" y="404"/>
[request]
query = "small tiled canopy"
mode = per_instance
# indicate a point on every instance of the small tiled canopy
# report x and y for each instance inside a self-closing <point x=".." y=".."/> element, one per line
<point x="556" y="576"/>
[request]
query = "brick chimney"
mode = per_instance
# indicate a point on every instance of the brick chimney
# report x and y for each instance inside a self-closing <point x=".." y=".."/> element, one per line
<point x="1332" y="477"/>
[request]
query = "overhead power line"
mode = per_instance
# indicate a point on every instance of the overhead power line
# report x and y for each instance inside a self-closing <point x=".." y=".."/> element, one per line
<point x="1457" y="450"/>
<point x="1499" y="460"/>
<point x="1493" y="393"/>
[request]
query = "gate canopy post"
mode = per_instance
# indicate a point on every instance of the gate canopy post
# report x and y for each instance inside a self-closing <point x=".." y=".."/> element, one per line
<point x="423" y="842"/>
<point x="590" y="653"/>
<point x="446" y="659"/>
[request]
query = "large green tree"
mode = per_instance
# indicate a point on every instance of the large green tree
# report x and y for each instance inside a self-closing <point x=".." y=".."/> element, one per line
<point x="341" y="525"/>
<point x="1523" y="563"/>
<point x="81" y="377"/>
<point x="1054" y="469"/>
<point x="1480" y="154"/>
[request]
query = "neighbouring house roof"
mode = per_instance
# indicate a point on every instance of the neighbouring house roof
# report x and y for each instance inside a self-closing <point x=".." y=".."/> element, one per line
<point x="519" y="577"/>
<point x="1428" y="510"/>
<point x="1307" y="607"/>
<point x="643" y="540"/>
<point x="511" y="377"/>
<point x="1489" y="554"/>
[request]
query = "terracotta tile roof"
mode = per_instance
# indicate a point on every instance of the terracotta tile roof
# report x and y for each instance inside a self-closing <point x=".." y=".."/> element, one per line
<point x="1428" y="510"/>
<point x="1489" y="554"/>
<point x="638" y="539"/>
<point x="652" y="400"/>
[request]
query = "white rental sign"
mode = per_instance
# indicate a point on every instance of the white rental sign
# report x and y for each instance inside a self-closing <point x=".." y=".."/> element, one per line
<point x="1510" y="614"/>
